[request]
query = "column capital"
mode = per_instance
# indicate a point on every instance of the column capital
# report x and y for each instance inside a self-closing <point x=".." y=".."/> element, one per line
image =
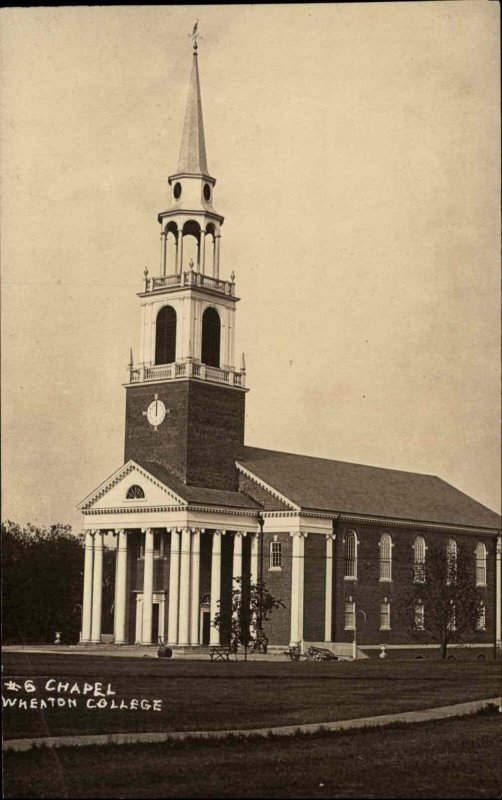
<point x="146" y="530"/>
<point x="331" y="536"/>
<point x="300" y="534"/>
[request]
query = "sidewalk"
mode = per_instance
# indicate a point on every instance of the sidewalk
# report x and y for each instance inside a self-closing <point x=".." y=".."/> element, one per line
<point x="406" y="717"/>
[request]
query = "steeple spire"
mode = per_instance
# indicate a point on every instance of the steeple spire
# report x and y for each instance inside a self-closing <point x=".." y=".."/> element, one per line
<point x="192" y="157"/>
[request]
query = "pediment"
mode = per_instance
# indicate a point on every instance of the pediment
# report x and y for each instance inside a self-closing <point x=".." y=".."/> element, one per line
<point x="112" y="493"/>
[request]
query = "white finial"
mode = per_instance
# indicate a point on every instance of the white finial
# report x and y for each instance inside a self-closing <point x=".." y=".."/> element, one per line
<point x="191" y="264"/>
<point x="145" y="273"/>
<point x="131" y="362"/>
<point x="243" y="363"/>
<point x="232" y="276"/>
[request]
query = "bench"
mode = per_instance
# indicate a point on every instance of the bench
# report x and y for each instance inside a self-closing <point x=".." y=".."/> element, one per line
<point x="220" y="653"/>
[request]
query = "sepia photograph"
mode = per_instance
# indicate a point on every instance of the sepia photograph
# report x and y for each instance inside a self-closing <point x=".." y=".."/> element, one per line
<point x="250" y="270"/>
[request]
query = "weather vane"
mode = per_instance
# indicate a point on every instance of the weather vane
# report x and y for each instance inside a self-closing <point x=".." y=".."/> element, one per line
<point x="195" y="35"/>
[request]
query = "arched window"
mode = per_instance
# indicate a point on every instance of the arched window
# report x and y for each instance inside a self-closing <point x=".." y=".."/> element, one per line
<point x="211" y="330"/>
<point x="135" y="492"/>
<point x="350" y="555"/>
<point x="419" y="559"/>
<point x="480" y="564"/>
<point x="385" y="557"/>
<point x="165" y="336"/>
<point x="451" y="561"/>
<point x="481" y="620"/>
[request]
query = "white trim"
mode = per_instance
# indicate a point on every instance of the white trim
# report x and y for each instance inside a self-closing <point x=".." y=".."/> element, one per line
<point x="267" y="487"/>
<point x="116" y="477"/>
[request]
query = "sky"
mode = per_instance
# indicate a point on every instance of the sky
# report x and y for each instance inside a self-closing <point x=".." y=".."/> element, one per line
<point x="356" y="151"/>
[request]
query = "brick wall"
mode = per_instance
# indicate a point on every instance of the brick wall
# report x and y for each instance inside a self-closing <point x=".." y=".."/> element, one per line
<point x="278" y="583"/>
<point x="315" y="588"/>
<point x="200" y="437"/>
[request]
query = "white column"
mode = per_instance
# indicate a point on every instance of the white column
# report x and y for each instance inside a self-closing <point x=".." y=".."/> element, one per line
<point x="295" y="558"/>
<point x="163" y="249"/>
<point x="498" y="596"/>
<point x="217" y="255"/>
<point x="202" y="251"/>
<point x="194" y="588"/>
<point x="174" y="582"/>
<point x="120" y="588"/>
<point x="255" y="543"/>
<point x="146" y="634"/>
<point x="87" y="598"/>
<point x="214" y="637"/>
<point x="237" y="558"/>
<point x="328" y="612"/>
<point x="97" y="587"/>
<point x="179" y="253"/>
<point x="301" y="585"/>
<point x="184" y="590"/>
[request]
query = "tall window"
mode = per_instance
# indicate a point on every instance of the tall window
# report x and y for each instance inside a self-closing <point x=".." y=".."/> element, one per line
<point x="451" y="559"/>
<point x="158" y="544"/>
<point x="350" y="615"/>
<point x="211" y="333"/>
<point x="350" y="555"/>
<point x="275" y="555"/>
<point x="480" y="564"/>
<point x="419" y="616"/>
<point x="385" y="615"/>
<point x="419" y="559"/>
<point x="385" y="557"/>
<point x="481" y="620"/>
<point x="165" y="336"/>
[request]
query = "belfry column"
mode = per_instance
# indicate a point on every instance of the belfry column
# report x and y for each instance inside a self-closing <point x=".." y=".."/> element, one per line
<point x="120" y="588"/>
<point x="97" y="587"/>
<point x="194" y="588"/>
<point x="87" y="598"/>
<point x="163" y="252"/>
<point x="216" y="266"/>
<point x="184" y="589"/>
<point x="179" y="253"/>
<point x="202" y="251"/>
<point x="214" y="636"/>
<point x="174" y="578"/>
<point x="146" y="632"/>
<point x="328" y="609"/>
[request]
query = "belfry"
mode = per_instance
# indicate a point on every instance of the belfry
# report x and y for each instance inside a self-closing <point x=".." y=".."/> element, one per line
<point x="192" y="508"/>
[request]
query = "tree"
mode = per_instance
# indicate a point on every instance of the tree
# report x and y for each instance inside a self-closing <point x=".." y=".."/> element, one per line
<point x="252" y="604"/>
<point x="443" y="604"/>
<point x="42" y="569"/>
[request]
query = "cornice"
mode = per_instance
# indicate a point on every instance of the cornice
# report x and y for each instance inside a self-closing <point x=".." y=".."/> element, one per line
<point x="199" y="212"/>
<point x="239" y="512"/>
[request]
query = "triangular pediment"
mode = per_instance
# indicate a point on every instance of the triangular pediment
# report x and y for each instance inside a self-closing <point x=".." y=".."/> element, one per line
<point x="113" y="492"/>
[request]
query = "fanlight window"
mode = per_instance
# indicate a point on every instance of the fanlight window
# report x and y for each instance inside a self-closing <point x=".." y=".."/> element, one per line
<point x="165" y="336"/>
<point x="419" y="559"/>
<point x="480" y="564"/>
<point x="385" y="557"/>
<point x="350" y="555"/>
<point x="211" y="334"/>
<point x="135" y="492"/>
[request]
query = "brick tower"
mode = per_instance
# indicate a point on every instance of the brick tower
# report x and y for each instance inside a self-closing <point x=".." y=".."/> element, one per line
<point x="185" y="397"/>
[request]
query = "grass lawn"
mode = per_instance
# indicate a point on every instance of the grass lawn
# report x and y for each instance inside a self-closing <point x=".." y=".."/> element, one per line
<point x="198" y="695"/>
<point x="458" y="758"/>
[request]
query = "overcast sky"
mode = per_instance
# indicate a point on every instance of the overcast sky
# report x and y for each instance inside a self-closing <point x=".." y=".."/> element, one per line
<point x="356" y="149"/>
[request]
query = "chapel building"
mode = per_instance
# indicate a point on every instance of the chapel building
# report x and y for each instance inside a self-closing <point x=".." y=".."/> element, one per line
<point x="193" y="507"/>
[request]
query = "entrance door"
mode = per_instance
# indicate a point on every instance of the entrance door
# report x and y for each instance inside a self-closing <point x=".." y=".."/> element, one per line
<point x="155" y="623"/>
<point x="206" y="621"/>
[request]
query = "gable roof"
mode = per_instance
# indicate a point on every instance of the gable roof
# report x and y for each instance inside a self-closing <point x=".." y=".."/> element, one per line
<point x="198" y="495"/>
<point x="322" y="484"/>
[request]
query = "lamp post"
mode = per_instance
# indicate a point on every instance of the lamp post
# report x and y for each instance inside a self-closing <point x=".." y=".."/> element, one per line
<point x="354" y="642"/>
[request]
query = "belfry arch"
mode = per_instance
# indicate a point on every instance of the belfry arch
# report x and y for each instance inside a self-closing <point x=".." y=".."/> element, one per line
<point x="211" y="337"/>
<point x="165" y="336"/>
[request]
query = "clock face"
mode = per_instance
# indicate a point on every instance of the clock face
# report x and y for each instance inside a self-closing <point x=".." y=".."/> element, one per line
<point x="156" y="412"/>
